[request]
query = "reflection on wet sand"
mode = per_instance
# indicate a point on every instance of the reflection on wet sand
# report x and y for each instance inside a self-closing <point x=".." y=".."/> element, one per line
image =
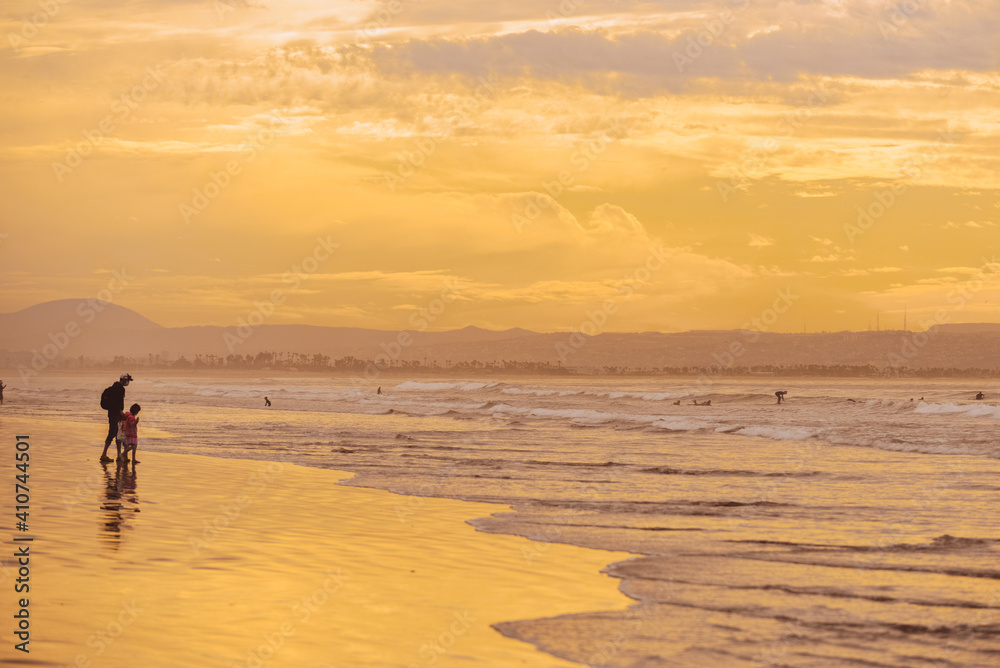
<point x="295" y="571"/>
<point x="120" y="501"/>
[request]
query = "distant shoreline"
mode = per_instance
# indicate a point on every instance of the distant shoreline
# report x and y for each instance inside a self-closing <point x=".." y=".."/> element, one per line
<point x="464" y="372"/>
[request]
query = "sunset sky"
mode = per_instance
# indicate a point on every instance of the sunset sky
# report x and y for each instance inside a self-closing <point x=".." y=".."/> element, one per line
<point x="529" y="157"/>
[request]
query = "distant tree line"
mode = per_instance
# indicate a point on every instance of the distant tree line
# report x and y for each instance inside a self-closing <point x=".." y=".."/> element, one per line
<point x="319" y="363"/>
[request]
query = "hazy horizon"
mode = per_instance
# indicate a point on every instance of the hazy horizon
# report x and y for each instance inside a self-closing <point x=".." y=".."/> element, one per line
<point x="84" y="309"/>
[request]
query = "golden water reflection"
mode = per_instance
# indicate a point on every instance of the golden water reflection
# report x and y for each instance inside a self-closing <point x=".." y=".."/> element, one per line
<point x="120" y="502"/>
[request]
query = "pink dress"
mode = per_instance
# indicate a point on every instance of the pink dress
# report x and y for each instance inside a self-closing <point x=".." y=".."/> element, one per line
<point x="130" y="428"/>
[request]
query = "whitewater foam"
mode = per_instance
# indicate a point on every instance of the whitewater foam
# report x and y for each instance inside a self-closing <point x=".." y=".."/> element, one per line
<point x="777" y="433"/>
<point x="419" y="386"/>
<point x="972" y="410"/>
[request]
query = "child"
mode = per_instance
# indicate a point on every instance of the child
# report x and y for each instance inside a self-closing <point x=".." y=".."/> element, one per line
<point x="130" y="430"/>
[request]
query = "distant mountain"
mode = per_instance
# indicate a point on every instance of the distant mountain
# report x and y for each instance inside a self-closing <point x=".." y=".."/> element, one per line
<point x="93" y="328"/>
<point x="74" y="327"/>
<point x="53" y="315"/>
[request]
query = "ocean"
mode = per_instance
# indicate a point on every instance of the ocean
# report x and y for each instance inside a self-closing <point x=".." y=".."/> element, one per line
<point x="855" y="524"/>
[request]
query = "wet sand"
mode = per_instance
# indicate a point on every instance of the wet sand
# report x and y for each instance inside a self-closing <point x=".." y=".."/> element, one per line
<point x="201" y="561"/>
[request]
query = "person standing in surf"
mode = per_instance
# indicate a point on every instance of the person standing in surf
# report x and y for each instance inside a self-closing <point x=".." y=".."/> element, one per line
<point x="781" y="395"/>
<point x="113" y="401"/>
<point x="2" y="388"/>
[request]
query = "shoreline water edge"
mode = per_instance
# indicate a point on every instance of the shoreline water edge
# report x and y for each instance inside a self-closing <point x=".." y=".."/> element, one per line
<point x="833" y="532"/>
<point x="213" y="562"/>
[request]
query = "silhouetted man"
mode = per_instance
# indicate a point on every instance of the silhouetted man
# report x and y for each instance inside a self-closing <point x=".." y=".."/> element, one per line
<point x="267" y="402"/>
<point x="781" y="395"/>
<point x="113" y="401"/>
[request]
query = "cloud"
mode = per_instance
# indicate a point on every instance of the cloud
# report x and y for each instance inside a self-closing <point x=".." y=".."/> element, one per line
<point x="815" y="44"/>
<point x="409" y="97"/>
<point x="612" y="219"/>
<point x="758" y="241"/>
<point x="958" y="270"/>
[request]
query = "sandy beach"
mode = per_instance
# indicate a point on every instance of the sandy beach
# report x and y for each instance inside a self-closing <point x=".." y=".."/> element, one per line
<point x="201" y="561"/>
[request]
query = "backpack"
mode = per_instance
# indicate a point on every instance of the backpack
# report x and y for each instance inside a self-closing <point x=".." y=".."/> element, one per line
<point x="106" y="398"/>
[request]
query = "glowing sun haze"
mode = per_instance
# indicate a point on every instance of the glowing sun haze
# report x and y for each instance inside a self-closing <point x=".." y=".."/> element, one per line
<point x="533" y="153"/>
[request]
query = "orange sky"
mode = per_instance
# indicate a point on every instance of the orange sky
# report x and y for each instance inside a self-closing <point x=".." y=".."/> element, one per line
<point x="527" y="158"/>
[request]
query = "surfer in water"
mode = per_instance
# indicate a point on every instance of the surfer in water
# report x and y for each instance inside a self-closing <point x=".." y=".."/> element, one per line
<point x="379" y="391"/>
<point x="267" y="402"/>
<point x="781" y="395"/>
<point x="980" y="396"/>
